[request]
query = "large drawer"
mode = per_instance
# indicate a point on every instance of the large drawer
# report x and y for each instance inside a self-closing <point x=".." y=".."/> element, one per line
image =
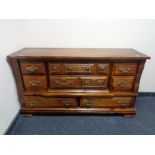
<point x="78" y="68"/>
<point x="32" y="67"/>
<point x="78" y="81"/>
<point x="106" y="102"/>
<point x="35" y="82"/>
<point x="122" y="82"/>
<point x="124" y="68"/>
<point x="31" y="101"/>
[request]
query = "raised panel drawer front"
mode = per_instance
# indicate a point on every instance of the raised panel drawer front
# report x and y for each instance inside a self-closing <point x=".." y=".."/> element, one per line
<point x="103" y="68"/>
<point x="64" y="82"/>
<point x="32" y="68"/>
<point x="35" y="82"/>
<point x="94" y="82"/>
<point x="122" y="82"/>
<point x="124" y="68"/>
<point x="78" y="82"/>
<point x="107" y="102"/>
<point x="78" y="68"/>
<point x="50" y="102"/>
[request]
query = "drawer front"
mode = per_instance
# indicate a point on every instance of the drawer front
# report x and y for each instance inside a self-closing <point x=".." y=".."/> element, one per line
<point x="122" y="82"/>
<point x="103" y="68"/>
<point x="75" y="68"/>
<point x="79" y="68"/>
<point x="63" y="82"/>
<point x="94" y="82"/>
<point x="107" y="102"/>
<point x="35" y="82"/>
<point x="55" y="68"/>
<point x="50" y="102"/>
<point x="32" y="68"/>
<point x="124" y="68"/>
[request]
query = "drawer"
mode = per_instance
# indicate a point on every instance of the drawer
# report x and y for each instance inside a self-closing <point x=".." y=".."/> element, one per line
<point x="107" y="102"/>
<point x="124" y="68"/>
<point x="32" y="68"/>
<point x="122" y="82"/>
<point x="94" y="81"/>
<point x="55" y="68"/>
<point x="50" y="102"/>
<point x="64" y="81"/>
<point x="35" y="82"/>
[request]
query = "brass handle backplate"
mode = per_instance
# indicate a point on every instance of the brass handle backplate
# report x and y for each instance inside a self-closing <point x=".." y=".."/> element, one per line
<point x="102" y="69"/>
<point x="122" y="102"/>
<point x="32" y="68"/>
<point x="122" y="83"/>
<point x="88" y="103"/>
<point x="87" y="68"/>
<point x="34" y="83"/>
<point x="125" y="69"/>
<point x="66" y="103"/>
<point x="33" y="103"/>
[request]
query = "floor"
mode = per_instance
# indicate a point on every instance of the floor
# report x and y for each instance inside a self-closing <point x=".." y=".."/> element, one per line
<point x="142" y="124"/>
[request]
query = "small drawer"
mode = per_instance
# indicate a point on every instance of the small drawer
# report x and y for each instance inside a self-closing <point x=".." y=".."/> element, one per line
<point x="35" y="82"/>
<point x="94" y="82"/>
<point x="79" y="68"/>
<point x="122" y="82"/>
<point x="103" y="68"/>
<point x="35" y="102"/>
<point x="107" y="102"/>
<point x="124" y="68"/>
<point x="55" y="68"/>
<point x="64" y="82"/>
<point x="32" y="68"/>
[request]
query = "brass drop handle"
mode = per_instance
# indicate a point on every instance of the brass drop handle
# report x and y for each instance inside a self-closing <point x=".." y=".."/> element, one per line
<point x="88" y="103"/>
<point x="54" y="68"/>
<point x="87" y="68"/>
<point x="33" y="103"/>
<point x="34" y="83"/>
<point x="122" y="102"/>
<point x="102" y="69"/>
<point x="85" y="83"/>
<point x="122" y="83"/>
<point x="66" y="103"/>
<point x="70" y="83"/>
<point x="125" y="69"/>
<point x="69" y="69"/>
<point x="99" y="83"/>
<point x="32" y="68"/>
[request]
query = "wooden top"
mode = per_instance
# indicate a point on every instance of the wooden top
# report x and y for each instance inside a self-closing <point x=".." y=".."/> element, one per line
<point x="81" y="53"/>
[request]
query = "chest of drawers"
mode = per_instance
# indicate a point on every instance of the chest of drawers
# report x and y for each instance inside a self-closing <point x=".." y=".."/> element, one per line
<point x="103" y="81"/>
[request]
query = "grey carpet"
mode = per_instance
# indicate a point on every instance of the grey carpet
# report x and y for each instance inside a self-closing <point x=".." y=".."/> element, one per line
<point x="142" y="124"/>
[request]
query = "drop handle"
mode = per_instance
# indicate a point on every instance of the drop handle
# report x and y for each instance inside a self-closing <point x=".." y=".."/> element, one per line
<point x="66" y="103"/>
<point x="87" y="69"/>
<point x="69" y="69"/>
<point x="33" y="103"/>
<point x="34" y="83"/>
<point x="125" y="69"/>
<point x="88" y="103"/>
<point x="32" y="68"/>
<point x="122" y="102"/>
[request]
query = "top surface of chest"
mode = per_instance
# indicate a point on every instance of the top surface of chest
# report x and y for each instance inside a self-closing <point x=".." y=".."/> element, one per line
<point x="81" y="53"/>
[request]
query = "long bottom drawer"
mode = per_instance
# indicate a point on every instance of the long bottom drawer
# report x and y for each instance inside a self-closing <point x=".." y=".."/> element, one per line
<point x="50" y="102"/>
<point x="107" y="102"/>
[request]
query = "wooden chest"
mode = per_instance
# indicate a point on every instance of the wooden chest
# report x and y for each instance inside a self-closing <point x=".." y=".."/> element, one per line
<point x="104" y="81"/>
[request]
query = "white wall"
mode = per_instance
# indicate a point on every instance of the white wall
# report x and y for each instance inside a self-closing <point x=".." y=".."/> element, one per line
<point x="10" y="40"/>
<point x="16" y="34"/>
